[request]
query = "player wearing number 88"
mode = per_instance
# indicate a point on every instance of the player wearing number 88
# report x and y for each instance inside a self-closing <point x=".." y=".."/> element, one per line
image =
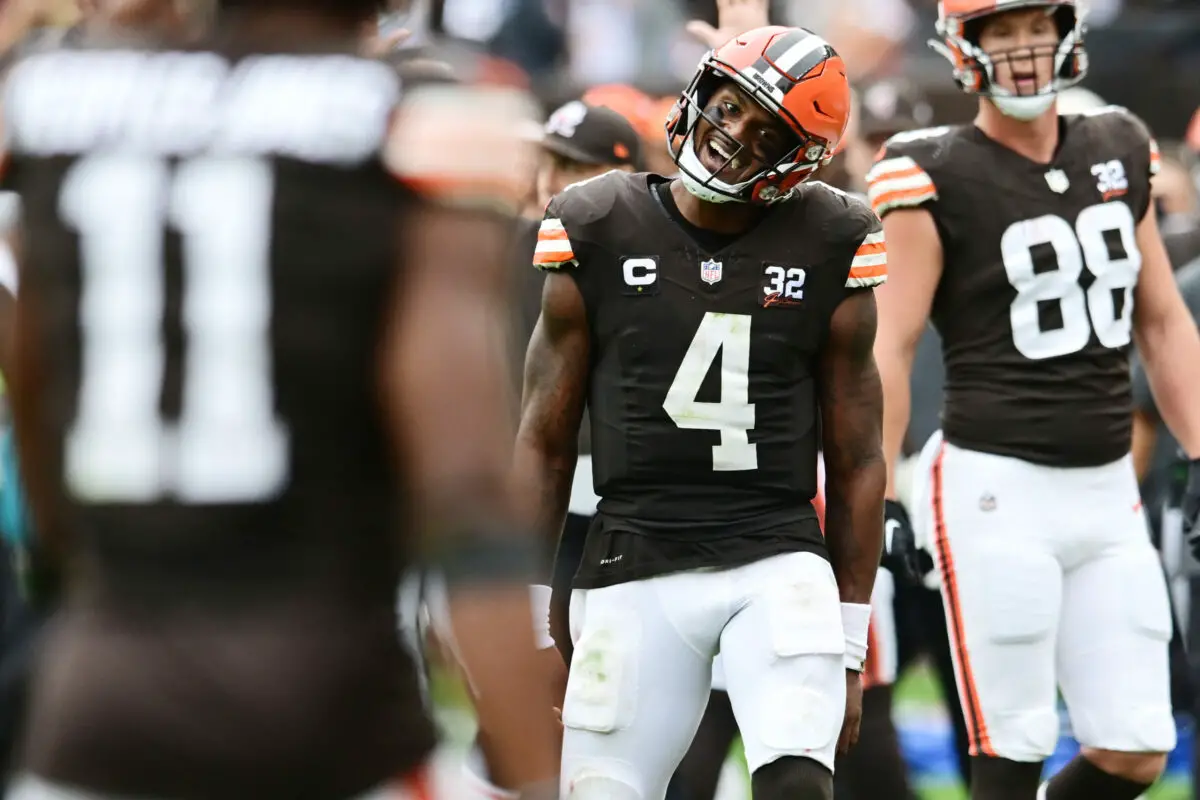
<point x="1030" y="241"/>
<point x="706" y="322"/>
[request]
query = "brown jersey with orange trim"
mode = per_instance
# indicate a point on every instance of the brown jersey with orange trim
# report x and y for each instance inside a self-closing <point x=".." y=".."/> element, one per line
<point x="210" y="247"/>
<point x="1040" y="262"/>
<point x="702" y="388"/>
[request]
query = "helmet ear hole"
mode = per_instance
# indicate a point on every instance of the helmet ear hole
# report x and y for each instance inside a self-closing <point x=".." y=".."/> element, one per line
<point x="971" y="29"/>
<point x="1064" y="20"/>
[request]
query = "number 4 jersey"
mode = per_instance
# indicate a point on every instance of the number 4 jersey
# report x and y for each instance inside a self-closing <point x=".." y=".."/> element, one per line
<point x="703" y="395"/>
<point x="1040" y="262"/>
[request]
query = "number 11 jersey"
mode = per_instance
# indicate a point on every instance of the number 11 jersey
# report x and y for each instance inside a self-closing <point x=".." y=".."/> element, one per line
<point x="703" y="379"/>
<point x="210" y="243"/>
<point x="1039" y="266"/>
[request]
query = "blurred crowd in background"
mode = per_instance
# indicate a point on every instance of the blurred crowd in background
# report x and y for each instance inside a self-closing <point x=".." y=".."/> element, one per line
<point x="607" y="72"/>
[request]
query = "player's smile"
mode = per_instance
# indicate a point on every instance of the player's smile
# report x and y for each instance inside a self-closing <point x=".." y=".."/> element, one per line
<point x="738" y="138"/>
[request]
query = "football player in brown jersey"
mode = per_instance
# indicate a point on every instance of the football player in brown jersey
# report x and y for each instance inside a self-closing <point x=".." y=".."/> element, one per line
<point x="261" y="293"/>
<point x="705" y="537"/>
<point x="1030" y="241"/>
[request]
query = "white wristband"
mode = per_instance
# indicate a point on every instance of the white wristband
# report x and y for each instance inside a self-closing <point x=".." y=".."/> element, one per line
<point x="539" y="598"/>
<point x="856" y="622"/>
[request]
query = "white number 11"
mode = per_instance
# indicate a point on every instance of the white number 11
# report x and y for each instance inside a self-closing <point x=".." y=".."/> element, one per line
<point x="228" y="446"/>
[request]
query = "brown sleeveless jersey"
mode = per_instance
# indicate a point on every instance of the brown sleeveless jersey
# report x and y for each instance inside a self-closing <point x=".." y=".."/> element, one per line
<point x="1035" y="302"/>
<point x="703" y="395"/>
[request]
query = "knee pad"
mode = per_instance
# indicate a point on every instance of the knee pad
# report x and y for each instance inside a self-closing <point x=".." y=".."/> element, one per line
<point x="1023" y="609"/>
<point x="603" y="682"/>
<point x="590" y="785"/>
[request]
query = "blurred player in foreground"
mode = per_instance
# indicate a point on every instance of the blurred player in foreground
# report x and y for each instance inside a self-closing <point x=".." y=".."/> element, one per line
<point x="255" y="378"/>
<point x="706" y="538"/>
<point x="1031" y="241"/>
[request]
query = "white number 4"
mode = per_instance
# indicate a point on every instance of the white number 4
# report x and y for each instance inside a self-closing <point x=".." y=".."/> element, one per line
<point x="734" y="415"/>
<point x="228" y="446"/>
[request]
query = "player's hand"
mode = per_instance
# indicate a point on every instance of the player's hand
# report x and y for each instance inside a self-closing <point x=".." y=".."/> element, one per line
<point x="901" y="555"/>
<point x="378" y="45"/>
<point x="853" y="718"/>
<point x="1191" y="507"/>
<point x="733" y="17"/>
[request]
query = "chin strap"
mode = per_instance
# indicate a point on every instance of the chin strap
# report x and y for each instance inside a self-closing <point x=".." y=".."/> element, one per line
<point x="1024" y="108"/>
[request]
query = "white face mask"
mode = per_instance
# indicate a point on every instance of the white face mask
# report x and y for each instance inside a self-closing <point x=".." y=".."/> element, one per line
<point x="1024" y="108"/>
<point x="704" y="188"/>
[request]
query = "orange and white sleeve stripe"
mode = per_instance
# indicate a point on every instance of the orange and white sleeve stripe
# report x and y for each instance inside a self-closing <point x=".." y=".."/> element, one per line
<point x="553" y="249"/>
<point x="869" y="266"/>
<point x="898" y="183"/>
<point x="1155" y="158"/>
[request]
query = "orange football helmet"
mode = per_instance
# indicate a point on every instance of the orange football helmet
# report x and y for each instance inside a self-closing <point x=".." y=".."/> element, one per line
<point x="958" y="26"/>
<point x="792" y="73"/>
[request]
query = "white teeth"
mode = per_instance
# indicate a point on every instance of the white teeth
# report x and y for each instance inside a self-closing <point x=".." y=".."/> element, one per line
<point x="716" y="146"/>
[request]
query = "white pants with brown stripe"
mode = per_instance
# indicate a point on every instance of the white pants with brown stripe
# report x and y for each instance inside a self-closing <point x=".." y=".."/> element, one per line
<point x="1050" y="584"/>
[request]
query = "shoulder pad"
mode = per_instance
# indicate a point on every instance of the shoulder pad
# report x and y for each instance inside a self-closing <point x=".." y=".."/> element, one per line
<point x="586" y="201"/>
<point x="919" y="135"/>
<point x="573" y="215"/>
<point x="901" y="176"/>
<point x="850" y="204"/>
<point x="848" y="221"/>
<point x="1103" y="111"/>
<point x="1117" y="123"/>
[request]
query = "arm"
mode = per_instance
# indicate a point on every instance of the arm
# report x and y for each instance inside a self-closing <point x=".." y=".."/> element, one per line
<point x="904" y="302"/>
<point x="851" y="402"/>
<point x="734" y="17"/>
<point x="1145" y="437"/>
<point x="442" y="372"/>
<point x="866" y="34"/>
<point x="556" y="380"/>
<point x="1145" y="420"/>
<point x="445" y="374"/>
<point x="1167" y="339"/>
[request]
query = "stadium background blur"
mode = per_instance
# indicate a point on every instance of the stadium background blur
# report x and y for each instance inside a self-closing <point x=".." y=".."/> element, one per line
<point x="1145" y="55"/>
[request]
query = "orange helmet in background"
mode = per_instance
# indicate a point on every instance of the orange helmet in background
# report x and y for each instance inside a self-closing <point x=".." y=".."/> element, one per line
<point x="793" y="74"/>
<point x="958" y="27"/>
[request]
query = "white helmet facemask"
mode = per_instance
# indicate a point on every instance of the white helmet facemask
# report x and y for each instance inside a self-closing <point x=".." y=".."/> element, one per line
<point x="975" y="70"/>
<point x="701" y="183"/>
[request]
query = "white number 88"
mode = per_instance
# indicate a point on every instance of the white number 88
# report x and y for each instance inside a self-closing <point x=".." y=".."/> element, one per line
<point x="1074" y="249"/>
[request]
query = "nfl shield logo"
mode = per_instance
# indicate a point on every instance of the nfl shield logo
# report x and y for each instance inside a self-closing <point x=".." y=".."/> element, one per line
<point x="710" y="271"/>
<point x="1057" y="180"/>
